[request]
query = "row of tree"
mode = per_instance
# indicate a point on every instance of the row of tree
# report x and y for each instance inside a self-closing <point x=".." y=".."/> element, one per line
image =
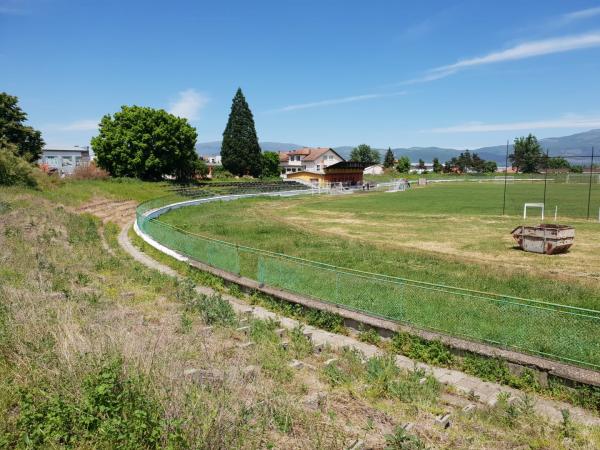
<point x="527" y="157"/>
<point x="150" y="144"/>
<point x="465" y="162"/>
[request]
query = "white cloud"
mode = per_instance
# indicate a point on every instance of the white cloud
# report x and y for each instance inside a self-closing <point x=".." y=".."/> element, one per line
<point x="336" y="101"/>
<point x="522" y="51"/>
<point x="432" y="76"/>
<point x="566" y="121"/>
<point x="189" y="104"/>
<point x="582" y="14"/>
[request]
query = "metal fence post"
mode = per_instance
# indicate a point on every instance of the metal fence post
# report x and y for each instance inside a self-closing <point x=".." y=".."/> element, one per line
<point x="337" y="287"/>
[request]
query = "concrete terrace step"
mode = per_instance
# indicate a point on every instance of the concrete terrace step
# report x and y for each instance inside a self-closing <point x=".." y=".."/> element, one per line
<point x="486" y="392"/>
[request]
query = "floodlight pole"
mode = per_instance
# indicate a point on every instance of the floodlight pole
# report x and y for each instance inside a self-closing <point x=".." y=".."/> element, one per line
<point x="546" y="177"/>
<point x="590" y="185"/>
<point x="505" y="178"/>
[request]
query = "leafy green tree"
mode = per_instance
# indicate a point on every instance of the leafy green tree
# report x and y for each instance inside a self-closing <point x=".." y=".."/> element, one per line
<point x="403" y="164"/>
<point x="437" y="167"/>
<point x="14" y="170"/>
<point x="389" y="159"/>
<point x="270" y="165"/>
<point x="146" y="143"/>
<point x="469" y="162"/>
<point x="240" y="152"/>
<point x="421" y="164"/>
<point x="200" y="168"/>
<point x="527" y="156"/>
<point x="365" y="154"/>
<point x="28" y="141"/>
<point x="557" y="162"/>
<point x="489" y="167"/>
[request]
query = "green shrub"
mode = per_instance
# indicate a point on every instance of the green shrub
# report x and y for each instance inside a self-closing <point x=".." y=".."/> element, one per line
<point x="431" y="352"/>
<point x="113" y="411"/>
<point x="324" y="320"/>
<point x="401" y="440"/>
<point x="495" y="369"/>
<point x="370" y="336"/>
<point x="334" y="375"/>
<point x="381" y="372"/>
<point x="15" y="171"/>
<point x="214" y="310"/>
<point x="489" y="369"/>
<point x="300" y="345"/>
<point x="264" y="331"/>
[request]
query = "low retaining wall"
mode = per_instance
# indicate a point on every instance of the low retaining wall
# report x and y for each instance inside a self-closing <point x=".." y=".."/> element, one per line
<point x="356" y="319"/>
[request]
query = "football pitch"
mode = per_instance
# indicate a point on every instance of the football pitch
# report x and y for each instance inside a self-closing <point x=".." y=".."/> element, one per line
<point x="447" y="242"/>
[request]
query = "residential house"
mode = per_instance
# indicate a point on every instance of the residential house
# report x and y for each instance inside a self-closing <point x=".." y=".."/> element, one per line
<point x="313" y="160"/>
<point x="376" y="169"/>
<point x="349" y="173"/>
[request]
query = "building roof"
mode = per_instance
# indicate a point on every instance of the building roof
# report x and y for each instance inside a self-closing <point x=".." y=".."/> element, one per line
<point x="346" y="165"/>
<point x="307" y="153"/>
<point x="64" y="148"/>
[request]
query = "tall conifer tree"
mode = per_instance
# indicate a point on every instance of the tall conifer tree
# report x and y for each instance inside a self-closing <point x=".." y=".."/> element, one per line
<point x="240" y="152"/>
<point x="389" y="159"/>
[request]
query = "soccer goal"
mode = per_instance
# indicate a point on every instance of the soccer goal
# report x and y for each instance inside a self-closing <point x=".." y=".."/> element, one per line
<point x="533" y="205"/>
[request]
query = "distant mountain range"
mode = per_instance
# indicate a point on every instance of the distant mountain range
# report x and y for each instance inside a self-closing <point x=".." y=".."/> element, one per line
<point x="575" y="144"/>
<point x="214" y="147"/>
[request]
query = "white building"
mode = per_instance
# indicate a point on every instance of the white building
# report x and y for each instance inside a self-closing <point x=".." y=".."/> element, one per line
<point x="414" y="168"/>
<point x="308" y="160"/>
<point x="212" y="160"/>
<point x="376" y="169"/>
<point x="65" y="159"/>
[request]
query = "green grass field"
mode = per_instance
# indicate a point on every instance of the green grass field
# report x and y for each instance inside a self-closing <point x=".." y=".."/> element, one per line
<point x="448" y="235"/>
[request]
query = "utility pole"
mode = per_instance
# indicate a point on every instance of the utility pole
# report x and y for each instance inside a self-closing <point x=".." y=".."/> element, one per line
<point x="546" y="178"/>
<point x="505" y="179"/>
<point x="590" y="186"/>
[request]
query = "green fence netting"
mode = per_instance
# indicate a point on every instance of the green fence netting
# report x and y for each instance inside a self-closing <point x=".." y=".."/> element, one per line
<point x="561" y="332"/>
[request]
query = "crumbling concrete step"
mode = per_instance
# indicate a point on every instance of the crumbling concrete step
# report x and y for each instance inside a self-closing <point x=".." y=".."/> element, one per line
<point x="486" y="392"/>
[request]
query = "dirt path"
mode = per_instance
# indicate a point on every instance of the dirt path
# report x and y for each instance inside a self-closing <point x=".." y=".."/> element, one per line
<point x="120" y="212"/>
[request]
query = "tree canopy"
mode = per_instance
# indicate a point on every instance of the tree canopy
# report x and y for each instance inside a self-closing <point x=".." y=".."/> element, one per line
<point x="270" y="165"/>
<point x="27" y="142"/>
<point x="437" y="166"/>
<point x="527" y="156"/>
<point x="365" y="154"/>
<point x="146" y="143"/>
<point x="389" y="159"/>
<point x="240" y="152"/>
<point x="403" y="165"/>
<point x="469" y="162"/>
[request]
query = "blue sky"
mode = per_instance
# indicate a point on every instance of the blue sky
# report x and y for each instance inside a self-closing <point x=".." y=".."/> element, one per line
<point x="458" y="74"/>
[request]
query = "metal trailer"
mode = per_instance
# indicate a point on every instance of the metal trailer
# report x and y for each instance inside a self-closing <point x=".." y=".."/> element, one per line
<point x="545" y="238"/>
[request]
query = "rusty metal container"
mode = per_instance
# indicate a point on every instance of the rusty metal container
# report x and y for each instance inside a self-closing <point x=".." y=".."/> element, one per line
<point x="545" y="238"/>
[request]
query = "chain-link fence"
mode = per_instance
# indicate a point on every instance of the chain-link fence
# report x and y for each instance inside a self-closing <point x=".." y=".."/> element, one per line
<point x="556" y="331"/>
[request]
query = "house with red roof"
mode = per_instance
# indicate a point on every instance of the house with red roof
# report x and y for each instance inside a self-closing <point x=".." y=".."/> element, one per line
<point x="308" y="159"/>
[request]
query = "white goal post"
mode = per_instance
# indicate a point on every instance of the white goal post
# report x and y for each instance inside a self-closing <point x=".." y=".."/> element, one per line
<point x="533" y="205"/>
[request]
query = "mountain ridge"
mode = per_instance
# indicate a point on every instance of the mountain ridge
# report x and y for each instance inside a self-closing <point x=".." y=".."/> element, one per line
<point x="575" y="145"/>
